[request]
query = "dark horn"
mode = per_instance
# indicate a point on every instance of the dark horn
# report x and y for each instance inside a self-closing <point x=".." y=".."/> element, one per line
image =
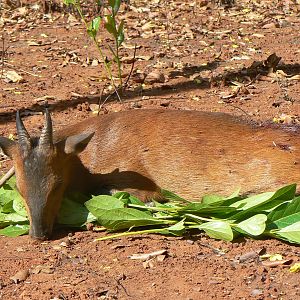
<point x="46" y="138"/>
<point x="23" y="136"/>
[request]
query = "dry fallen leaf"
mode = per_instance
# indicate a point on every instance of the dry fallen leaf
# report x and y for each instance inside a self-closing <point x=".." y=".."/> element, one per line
<point x="95" y="63"/>
<point x="295" y="268"/>
<point x="72" y="20"/>
<point x="160" y="258"/>
<point x="295" y="77"/>
<point x="258" y="35"/>
<point x="13" y="76"/>
<point x="271" y="257"/>
<point x="285" y="119"/>
<point x="147" y="256"/>
<point x="129" y="46"/>
<point x="276" y="263"/>
<point x="149" y="264"/>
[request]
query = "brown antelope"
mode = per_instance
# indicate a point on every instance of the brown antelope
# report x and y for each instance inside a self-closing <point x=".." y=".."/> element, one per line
<point x="190" y="153"/>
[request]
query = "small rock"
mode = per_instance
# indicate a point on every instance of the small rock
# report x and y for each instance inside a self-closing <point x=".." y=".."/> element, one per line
<point x="250" y="256"/>
<point x="155" y="77"/>
<point x="165" y="103"/>
<point x="95" y="63"/>
<point x="138" y="77"/>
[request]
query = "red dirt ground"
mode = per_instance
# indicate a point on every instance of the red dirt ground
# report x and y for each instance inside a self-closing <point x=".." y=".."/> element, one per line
<point x="196" y="52"/>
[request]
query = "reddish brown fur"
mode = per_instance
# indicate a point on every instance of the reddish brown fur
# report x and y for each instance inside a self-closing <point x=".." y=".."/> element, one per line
<point x="191" y="153"/>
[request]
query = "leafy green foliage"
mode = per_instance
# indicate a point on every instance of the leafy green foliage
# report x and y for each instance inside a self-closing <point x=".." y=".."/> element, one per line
<point x="12" y="210"/>
<point x="255" y="225"/>
<point x="275" y="214"/>
<point x="110" y="23"/>
<point x="290" y="233"/>
<point x="15" y="230"/>
<point x="286" y="214"/>
<point x="73" y="212"/>
<point x="115" y="5"/>
<point x="120" y="218"/>
<point x="218" y="229"/>
<point x="94" y="27"/>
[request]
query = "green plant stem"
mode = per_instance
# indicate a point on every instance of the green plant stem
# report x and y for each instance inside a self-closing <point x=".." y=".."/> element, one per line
<point x="167" y="209"/>
<point x="107" y="68"/>
<point x="198" y="218"/>
<point x="147" y="231"/>
<point x="119" y="65"/>
<point x="118" y="235"/>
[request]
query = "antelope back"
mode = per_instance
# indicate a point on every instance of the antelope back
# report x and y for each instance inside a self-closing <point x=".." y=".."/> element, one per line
<point x="190" y="153"/>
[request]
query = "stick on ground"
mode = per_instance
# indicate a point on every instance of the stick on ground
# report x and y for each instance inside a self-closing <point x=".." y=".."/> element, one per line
<point x="9" y="174"/>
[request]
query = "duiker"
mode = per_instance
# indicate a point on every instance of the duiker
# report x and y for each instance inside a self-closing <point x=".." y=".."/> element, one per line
<point x="141" y="151"/>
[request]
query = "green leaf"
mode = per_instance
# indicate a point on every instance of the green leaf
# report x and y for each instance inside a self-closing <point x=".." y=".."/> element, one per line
<point x="255" y="225"/>
<point x="253" y="201"/>
<point x="115" y="5"/>
<point x="110" y="26"/>
<point x="128" y="199"/>
<point x="120" y="38"/>
<point x="94" y="27"/>
<point x="120" y="33"/>
<point x="207" y="210"/>
<point x="68" y="2"/>
<point x="177" y="229"/>
<point x="101" y="203"/>
<point x="263" y="202"/>
<point x="220" y="230"/>
<point x="73" y="213"/>
<point x="15" y="230"/>
<point x="121" y="195"/>
<point x="19" y="207"/>
<point x="124" y="218"/>
<point x="6" y="200"/>
<point x="210" y="199"/>
<point x="285" y="215"/>
<point x="290" y="233"/>
<point x="10" y="184"/>
<point x="11" y="218"/>
<point x="235" y="194"/>
<point x="220" y="200"/>
<point x="168" y="195"/>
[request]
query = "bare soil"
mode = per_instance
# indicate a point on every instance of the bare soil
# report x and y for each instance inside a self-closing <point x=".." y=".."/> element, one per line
<point x="200" y="55"/>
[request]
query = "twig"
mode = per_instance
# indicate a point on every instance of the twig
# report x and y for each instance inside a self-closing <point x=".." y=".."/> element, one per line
<point x="243" y="111"/>
<point x="2" y="57"/>
<point x="118" y="281"/>
<point x="105" y="100"/>
<point x="215" y="250"/>
<point x="9" y="174"/>
<point x="132" y="66"/>
<point x="12" y="66"/>
<point x="100" y="98"/>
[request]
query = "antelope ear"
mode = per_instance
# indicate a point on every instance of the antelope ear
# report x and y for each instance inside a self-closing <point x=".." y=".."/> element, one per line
<point x="76" y="143"/>
<point x="7" y="146"/>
